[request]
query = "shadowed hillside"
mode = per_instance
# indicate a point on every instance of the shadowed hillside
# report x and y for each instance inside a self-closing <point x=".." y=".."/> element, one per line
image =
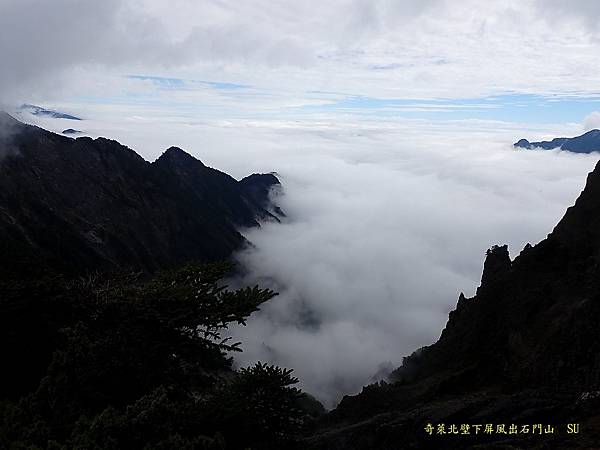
<point x="80" y="204"/>
<point x="524" y="350"/>
<point x="101" y="349"/>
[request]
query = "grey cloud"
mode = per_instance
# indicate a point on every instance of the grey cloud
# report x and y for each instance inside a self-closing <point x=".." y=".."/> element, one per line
<point x="592" y="121"/>
<point x="586" y="11"/>
<point x="40" y="41"/>
<point x="374" y="18"/>
<point x="48" y="47"/>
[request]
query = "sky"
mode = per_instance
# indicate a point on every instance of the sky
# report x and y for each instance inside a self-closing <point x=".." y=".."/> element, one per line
<point x="390" y="124"/>
<point x="532" y="61"/>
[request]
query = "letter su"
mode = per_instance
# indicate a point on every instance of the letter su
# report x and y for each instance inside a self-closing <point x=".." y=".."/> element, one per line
<point x="572" y="428"/>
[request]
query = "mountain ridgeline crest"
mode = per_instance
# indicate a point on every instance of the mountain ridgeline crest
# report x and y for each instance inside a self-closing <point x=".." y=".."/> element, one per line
<point x="586" y="143"/>
<point x="86" y="204"/>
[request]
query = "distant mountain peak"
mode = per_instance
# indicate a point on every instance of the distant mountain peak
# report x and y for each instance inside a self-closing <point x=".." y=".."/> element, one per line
<point x="39" y="111"/>
<point x="586" y="143"/>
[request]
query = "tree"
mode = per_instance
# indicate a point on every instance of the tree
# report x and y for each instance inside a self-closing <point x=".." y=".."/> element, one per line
<point x="143" y="363"/>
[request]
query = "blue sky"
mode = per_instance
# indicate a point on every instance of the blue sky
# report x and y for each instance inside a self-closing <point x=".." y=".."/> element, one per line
<point x="222" y="96"/>
<point x="178" y="83"/>
<point x="527" y="108"/>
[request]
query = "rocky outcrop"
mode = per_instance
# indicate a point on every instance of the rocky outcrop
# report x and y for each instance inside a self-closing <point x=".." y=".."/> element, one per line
<point x="497" y="263"/>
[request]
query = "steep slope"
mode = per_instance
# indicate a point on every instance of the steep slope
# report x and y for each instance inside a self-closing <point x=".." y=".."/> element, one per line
<point x="85" y="204"/>
<point x="586" y="143"/>
<point x="525" y="350"/>
<point x="259" y="187"/>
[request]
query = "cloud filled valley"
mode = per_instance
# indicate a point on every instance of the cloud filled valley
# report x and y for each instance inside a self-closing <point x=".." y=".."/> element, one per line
<point x="387" y="222"/>
<point x="377" y="248"/>
<point x="159" y="130"/>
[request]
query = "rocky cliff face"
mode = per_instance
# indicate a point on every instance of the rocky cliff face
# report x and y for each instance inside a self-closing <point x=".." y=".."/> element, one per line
<point x="79" y="204"/>
<point x="524" y="350"/>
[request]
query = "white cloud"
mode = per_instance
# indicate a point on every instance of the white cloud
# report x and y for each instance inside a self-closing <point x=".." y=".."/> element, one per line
<point x="375" y="48"/>
<point x="382" y="237"/>
<point x="592" y="121"/>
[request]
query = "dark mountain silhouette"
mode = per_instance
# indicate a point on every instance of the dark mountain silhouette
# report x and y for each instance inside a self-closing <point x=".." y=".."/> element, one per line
<point x="96" y="355"/>
<point x="71" y="131"/>
<point x="524" y="350"/>
<point x="260" y="187"/>
<point x="86" y="204"/>
<point x="586" y="143"/>
<point x="39" y="111"/>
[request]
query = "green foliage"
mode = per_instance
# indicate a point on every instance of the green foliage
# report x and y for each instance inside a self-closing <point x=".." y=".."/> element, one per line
<point x="192" y="301"/>
<point x="133" y="363"/>
<point x="259" y="405"/>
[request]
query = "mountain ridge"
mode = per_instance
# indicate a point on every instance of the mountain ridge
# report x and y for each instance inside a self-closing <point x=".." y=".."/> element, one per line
<point x="39" y="111"/>
<point x="95" y="204"/>
<point x="586" y="143"/>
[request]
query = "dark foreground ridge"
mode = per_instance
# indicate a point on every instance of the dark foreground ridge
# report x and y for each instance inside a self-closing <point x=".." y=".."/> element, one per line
<point x="586" y="143"/>
<point x="80" y="204"/>
<point x="524" y="350"/>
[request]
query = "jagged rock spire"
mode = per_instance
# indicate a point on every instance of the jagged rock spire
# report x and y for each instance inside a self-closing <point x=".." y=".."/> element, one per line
<point x="497" y="262"/>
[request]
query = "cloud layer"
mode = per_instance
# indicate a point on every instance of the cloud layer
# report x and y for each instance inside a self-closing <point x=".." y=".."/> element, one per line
<point x="378" y="48"/>
<point x="380" y="240"/>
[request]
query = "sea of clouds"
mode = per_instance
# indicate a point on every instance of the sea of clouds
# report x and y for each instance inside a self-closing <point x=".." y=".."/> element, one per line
<point x="385" y="228"/>
<point x="387" y="222"/>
